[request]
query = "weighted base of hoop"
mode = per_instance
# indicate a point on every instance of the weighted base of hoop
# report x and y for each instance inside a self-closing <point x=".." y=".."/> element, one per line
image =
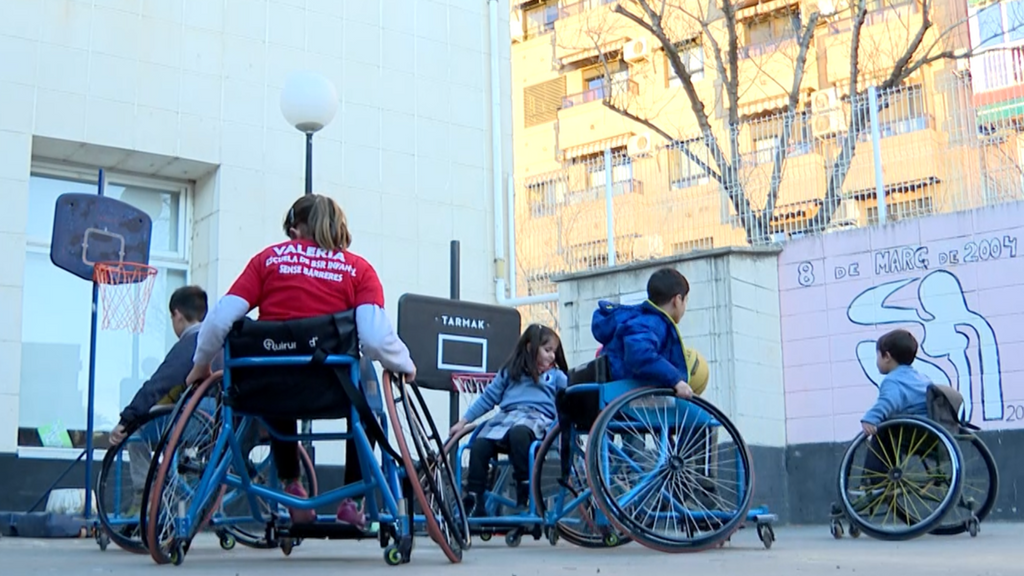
<point x="125" y="288"/>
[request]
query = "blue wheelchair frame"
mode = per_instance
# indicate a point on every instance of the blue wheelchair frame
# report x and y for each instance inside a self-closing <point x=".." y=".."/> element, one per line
<point x="696" y="419"/>
<point x="227" y="453"/>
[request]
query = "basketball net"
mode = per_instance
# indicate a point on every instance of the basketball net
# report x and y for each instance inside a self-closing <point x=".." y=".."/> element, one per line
<point x="470" y="386"/>
<point x="125" y="288"/>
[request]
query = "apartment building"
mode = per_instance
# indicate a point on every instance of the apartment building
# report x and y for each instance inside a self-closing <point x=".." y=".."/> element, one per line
<point x="574" y="61"/>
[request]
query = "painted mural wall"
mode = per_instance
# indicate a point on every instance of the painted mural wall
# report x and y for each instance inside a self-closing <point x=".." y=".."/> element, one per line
<point x="956" y="281"/>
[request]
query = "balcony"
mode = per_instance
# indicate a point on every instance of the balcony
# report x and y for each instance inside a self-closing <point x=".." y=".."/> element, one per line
<point x="998" y="69"/>
<point x="581" y="7"/>
<point x="604" y="90"/>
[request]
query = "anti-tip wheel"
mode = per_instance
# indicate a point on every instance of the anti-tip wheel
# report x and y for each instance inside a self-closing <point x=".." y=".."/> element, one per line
<point x="553" y="536"/>
<point x="227" y="542"/>
<point x="854" y="531"/>
<point x="178" y="554"/>
<point x="392" y="555"/>
<point x="287" y="545"/>
<point x="973" y="527"/>
<point x="513" y="538"/>
<point x="836" y="528"/>
<point x="767" y="535"/>
<point x="611" y="540"/>
<point x="102" y="540"/>
<point x="485" y="536"/>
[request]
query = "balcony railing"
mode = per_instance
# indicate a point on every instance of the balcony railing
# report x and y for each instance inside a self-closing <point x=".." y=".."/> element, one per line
<point x="581" y="7"/>
<point x="998" y="69"/>
<point x="605" y="90"/>
<point x="763" y="48"/>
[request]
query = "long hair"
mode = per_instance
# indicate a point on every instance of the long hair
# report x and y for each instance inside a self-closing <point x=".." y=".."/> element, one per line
<point x="523" y="361"/>
<point x="322" y="219"/>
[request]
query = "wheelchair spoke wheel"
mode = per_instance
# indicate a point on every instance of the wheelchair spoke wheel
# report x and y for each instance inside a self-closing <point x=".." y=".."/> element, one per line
<point x="903" y="482"/>
<point x="429" y="473"/>
<point x="584" y="525"/>
<point x="980" y="487"/>
<point x="191" y="438"/>
<point x="122" y="480"/>
<point x="674" y="474"/>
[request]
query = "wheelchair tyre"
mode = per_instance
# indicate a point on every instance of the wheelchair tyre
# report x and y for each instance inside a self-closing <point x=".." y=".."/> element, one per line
<point x="430" y="476"/>
<point x="981" y="484"/>
<point x="580" y="527"/>
<point x="689" y="532"/>
<point x="191" y="429"/>
<point x="125" y="534"/>
<point x="909" y="521"/>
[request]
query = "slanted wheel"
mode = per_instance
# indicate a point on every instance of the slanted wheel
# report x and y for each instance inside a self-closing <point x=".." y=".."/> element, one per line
<point x="674" y="474"/>
<point x="911" y="486"/>
<point x="583" y="525"/>
<point x="176" y="476"/>
<point x="121" y="483"/>
<point x="980" y="487"/>
<point x="429" y="475"/>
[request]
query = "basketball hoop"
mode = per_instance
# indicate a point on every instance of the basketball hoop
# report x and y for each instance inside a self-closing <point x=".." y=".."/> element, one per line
<point x="471" y="383"/>
<point x="125" y="288"/>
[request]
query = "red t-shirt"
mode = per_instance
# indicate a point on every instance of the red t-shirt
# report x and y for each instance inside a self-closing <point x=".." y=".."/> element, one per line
<point x="298" y="279"/>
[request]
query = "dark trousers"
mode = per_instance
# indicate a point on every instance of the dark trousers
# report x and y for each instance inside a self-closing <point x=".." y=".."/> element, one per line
<point x="286" y="454"/>
<point x="516" y="443"/>
<point x="883" y="451"/>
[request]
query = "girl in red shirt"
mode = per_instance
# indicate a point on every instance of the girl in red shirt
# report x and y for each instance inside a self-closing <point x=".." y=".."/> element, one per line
<point x="312" y="274"/>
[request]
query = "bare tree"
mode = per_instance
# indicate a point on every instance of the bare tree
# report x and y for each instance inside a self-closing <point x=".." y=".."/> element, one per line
<point x="884" y="60"/>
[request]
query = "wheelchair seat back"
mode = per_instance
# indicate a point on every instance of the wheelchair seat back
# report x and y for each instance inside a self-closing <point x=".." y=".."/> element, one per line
<point x="309" y="390"/>
<point x="581" y="408"/>
<point x="944" y="403"/>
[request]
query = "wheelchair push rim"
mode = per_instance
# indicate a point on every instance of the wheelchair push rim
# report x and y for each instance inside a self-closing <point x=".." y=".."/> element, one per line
<point x="921" y="483"/>
<point x="688" y="500"/>
<point x="435" y="492"/>
<point x="165" y="546"/>
<point x="125" y="529"/>
<point x="584" y="526"/>
<point x="980" y="485"/>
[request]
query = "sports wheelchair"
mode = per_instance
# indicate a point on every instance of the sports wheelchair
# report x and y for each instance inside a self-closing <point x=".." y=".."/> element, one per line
<point x="639" y="464"/>
<point x="916" y="476"/>
<point x="316" y="374"/>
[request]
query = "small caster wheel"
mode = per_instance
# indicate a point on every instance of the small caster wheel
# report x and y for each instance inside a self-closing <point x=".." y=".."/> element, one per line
<point x="287" y="545"/>
<point x="553" y="537"/>
<point x="178" y="551"/>
<point x="836" y="528"/>
<point x="854" y="531"/>
<point x="485" y="536"/>
<point x="392" y="555"/>
<point x="611" y="540"/>
<point x="227" y="542"/>
<point x="513" y="538"/>
<point x="973" y="527"/>
<point x="767" y="535"/>
<point x="102" y="540"/>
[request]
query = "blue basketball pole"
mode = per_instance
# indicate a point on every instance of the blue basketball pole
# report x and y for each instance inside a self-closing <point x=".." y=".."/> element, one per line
<point x="90" y="407"/>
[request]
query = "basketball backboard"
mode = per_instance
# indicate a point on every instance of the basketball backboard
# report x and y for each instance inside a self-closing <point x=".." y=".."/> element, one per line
<point x="91" y="228"/>
<point x="448" y="336"/>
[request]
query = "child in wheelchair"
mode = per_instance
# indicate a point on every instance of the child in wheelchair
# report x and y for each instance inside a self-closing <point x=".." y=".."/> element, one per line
<point x="643" y="342"/>
<point x="525" y="390"/>
<point x="904" y="392"/>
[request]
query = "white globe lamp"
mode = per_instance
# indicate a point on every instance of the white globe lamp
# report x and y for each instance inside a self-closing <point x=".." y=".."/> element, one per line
<point x="308" y="102"/>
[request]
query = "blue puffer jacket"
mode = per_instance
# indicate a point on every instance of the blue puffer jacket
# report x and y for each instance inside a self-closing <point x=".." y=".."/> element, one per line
<point x="641" y="343"/>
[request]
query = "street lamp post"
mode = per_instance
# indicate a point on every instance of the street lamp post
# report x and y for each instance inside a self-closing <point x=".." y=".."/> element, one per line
<point x="308" y="102"/>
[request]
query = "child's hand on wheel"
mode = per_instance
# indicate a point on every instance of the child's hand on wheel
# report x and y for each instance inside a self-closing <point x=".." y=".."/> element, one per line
<point x="457" y="427"/>
<point x="199" y="373"/>
<point x="869" y="429"/>
<point x="683" y="390"/>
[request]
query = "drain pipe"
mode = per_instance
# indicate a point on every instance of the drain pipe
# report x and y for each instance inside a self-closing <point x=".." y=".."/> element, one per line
<point x="500" y="264"/>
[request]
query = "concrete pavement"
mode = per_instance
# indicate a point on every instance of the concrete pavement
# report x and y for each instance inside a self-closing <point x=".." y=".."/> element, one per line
<point x="799" y="550"/>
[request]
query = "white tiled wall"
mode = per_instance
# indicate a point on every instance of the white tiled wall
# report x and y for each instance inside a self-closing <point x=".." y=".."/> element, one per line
<point x="732" y="318"/>
<point x="408" y="154"/>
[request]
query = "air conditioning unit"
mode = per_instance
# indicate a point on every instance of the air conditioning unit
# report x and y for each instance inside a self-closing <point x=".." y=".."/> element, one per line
<point x="516" y="26"/>
<point x="828" y="123"/>
<point x="846" y="216"/>
<point x="824" y="100"/>
<point x="635" y="50"/>
<point x="639" y="145"/>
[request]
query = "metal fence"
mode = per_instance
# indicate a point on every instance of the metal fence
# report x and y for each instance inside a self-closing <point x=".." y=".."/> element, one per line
<point x="936" y="148"/>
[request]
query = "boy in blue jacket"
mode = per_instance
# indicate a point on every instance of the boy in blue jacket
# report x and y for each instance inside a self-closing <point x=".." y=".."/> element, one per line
<point x="903" y="392"/>
<point x="643" y="342"/>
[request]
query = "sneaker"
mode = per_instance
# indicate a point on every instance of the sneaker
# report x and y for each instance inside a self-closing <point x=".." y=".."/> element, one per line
<point x="349" y="513"/>
<point x="299" y="516"/>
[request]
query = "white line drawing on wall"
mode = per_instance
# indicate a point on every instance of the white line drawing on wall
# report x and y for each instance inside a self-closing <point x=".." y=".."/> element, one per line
<point x="947" y="322"/>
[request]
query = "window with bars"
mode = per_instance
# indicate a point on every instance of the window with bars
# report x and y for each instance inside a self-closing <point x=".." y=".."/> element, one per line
<point x="767" y="132"/>
<point x="687" y="163"/>
<point x="691" y="52"/>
